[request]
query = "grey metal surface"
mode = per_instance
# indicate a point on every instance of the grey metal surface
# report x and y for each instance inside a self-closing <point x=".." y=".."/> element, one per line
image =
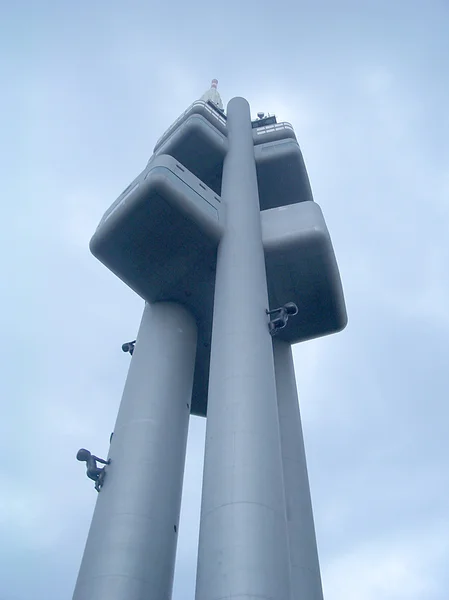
<point x="243" y="547"/>
<point x="130" y="550"/>
<point x="161" y="235"/>
<point x="302" y="268"/>
<point x="281" y="174"/>
<point x="164" y="180"/>
<point x="304" y="563"/>
<point x="201" y="147"/>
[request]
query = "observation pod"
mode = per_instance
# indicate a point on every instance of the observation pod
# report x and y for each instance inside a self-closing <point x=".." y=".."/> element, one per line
<point x="198" y="140"/>
<point x="161" y="238"/>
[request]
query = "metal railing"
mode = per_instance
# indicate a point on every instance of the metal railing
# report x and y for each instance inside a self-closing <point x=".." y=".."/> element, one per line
<point x="270" y="128"/>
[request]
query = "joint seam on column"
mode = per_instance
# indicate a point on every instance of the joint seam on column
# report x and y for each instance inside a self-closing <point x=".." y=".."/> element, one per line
<point x="133" y="422"/>
<point x="244" y="596"/>
<point x="276" y="512"/>
<point x="121" y="514"/>
<point x="103" y="575"/>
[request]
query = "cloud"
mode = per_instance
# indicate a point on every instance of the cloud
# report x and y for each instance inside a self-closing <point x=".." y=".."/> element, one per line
<point x="389" y="568"/>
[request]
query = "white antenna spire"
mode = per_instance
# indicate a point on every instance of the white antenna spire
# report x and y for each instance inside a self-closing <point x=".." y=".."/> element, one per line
<point x="212" y="95"/>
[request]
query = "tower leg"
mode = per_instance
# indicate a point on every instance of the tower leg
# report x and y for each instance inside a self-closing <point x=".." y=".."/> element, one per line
<point x="130" y="550"/>
<point x="304" y="564"/>
<point x="243" y="548"/>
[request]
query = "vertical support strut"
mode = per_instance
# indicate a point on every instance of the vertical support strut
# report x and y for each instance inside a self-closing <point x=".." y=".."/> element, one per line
<point x="131" y="547"/>
<point x="243" y="547"/>
<point x="304" y="563"/>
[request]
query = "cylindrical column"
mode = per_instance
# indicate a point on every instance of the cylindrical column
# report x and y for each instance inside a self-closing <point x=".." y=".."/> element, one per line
<point x="243" y="548"/>
<point x="131" y="547"/>
<point x="304" y="564"/>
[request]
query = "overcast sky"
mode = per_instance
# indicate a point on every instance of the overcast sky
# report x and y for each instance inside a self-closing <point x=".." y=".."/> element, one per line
<point x="87" y="88"/>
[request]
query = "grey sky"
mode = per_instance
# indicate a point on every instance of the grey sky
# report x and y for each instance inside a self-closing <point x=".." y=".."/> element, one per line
<point x="88" y="88"/>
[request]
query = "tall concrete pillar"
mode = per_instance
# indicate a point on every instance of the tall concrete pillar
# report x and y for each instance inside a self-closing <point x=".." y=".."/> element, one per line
<point x="304" y="564"/>
<point x="131" y="547"/>
<point x="243" y="548"/>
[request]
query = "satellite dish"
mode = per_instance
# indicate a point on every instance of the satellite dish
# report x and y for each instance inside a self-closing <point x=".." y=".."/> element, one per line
<point x="260" y="115"/>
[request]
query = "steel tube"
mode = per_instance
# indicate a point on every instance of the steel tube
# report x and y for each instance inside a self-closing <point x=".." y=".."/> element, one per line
<point x="304" y="563"/>
<point x="243" y="548"/>
<point x="131" y="547"/>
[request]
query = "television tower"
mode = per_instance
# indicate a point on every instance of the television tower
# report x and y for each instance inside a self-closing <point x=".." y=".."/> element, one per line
<point x="221" y="237"/>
